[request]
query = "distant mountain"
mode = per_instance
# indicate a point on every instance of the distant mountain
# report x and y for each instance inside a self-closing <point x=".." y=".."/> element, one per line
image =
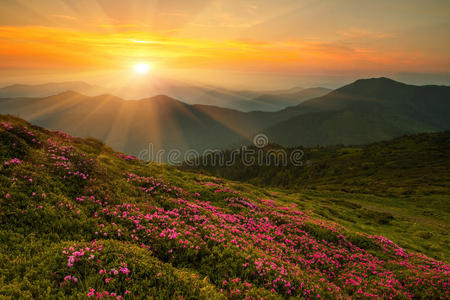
<point x="243" y="100"/>
<point x="365" y="111"/>
<point x="131" y="125"/>
<point x="277" y="101"/>
<point x="192" y="93"/>
<point x="362" y="112"/>
<point x="189" y="93"/>
<point x="48" y="89"/>
<point x="292" y="90"/>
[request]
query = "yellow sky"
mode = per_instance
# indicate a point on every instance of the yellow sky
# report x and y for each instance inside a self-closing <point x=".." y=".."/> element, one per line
<point x="60" y="37"/>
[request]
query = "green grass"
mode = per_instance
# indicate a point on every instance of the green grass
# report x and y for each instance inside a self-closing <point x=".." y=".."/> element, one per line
<point x="419" y="225"/>
<point x="407" y="166"/>
<point x="45" y="210"/>
<point x="399" y="188"/>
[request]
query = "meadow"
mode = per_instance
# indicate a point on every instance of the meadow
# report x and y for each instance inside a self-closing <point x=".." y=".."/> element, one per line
<point x="79" y="220"/>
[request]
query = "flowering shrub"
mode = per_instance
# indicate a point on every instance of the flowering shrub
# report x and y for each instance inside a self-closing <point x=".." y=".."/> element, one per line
<point x="126" y="157"/>
<point x="138" y="234"/>
<point x="13" y="161"/>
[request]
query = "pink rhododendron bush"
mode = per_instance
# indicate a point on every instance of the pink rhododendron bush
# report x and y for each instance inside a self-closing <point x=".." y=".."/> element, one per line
<point x="78" y="219"/>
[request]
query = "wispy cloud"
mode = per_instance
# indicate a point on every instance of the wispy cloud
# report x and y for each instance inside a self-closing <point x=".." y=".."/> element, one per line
<point x="358" y="33"/>
<point x="40" y="47"/>
<point x="65" y="17"/>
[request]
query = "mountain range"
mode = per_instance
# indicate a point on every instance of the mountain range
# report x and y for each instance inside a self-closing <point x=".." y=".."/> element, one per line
<point x="243" y="100"/>
<point x="278" y="100"/>
<point x="367" y="110"/>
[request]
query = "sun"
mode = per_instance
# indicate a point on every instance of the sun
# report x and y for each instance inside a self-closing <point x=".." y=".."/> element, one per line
<point x="142" y="68"/>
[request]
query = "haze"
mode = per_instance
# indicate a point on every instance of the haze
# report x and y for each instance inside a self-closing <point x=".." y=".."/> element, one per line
<point x="247" y="44"/>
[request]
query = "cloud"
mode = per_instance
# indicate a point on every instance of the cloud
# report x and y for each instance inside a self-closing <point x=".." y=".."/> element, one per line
<point x="65" y="17"/>
<point x="49" y="47"/>
<point x="360" y="33"/>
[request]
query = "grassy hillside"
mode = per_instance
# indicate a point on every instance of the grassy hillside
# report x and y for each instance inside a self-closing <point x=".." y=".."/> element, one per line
<point x="410" y="165"/>
<point x="399" y="188"/>
<point x="80" y="220"/>
<point x="345" y="127"/>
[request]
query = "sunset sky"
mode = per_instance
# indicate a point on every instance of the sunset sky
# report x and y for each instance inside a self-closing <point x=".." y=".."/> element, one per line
<point x="224" y="42"/>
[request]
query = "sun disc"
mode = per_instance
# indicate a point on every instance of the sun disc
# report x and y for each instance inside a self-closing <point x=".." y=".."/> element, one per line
<point x="141" y="68"/>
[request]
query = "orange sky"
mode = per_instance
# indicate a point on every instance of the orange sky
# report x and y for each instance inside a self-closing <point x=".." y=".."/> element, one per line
<point x="195" y="38"/>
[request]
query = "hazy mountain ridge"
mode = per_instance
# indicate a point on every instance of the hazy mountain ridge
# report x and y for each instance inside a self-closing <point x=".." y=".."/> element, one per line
<point x="131" y="125"/>
<point x="243" y="100"/>
<point x="280" y="100"/>
<point x="365" y="111"/>
<point x="48" y="89"/>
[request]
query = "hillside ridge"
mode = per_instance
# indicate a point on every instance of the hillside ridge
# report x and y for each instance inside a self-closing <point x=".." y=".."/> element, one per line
<point x="81" y="220"/>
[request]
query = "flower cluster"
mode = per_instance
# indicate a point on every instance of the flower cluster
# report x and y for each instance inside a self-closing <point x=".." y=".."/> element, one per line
<point x="246" y="247"/>
<point x="67" y="162"/>
<point x="89" y="257"/>
<point x="126" y="157"/>
<point x="104" y="294"/>
<point x="69" y="278"/>
<point x="7" y="126"/>
<point x="13" y="161"/>
<point x="278" y="247"/>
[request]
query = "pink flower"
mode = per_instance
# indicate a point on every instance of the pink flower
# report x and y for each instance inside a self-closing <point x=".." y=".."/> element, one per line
<point x="13" y="161"/>
<point x="91" y="293"/>
<point x="7" y="195"/>
<point x="70" y="261"/>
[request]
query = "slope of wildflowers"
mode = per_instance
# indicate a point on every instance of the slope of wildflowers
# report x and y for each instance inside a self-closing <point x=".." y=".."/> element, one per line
<point x="80" y="220"/>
